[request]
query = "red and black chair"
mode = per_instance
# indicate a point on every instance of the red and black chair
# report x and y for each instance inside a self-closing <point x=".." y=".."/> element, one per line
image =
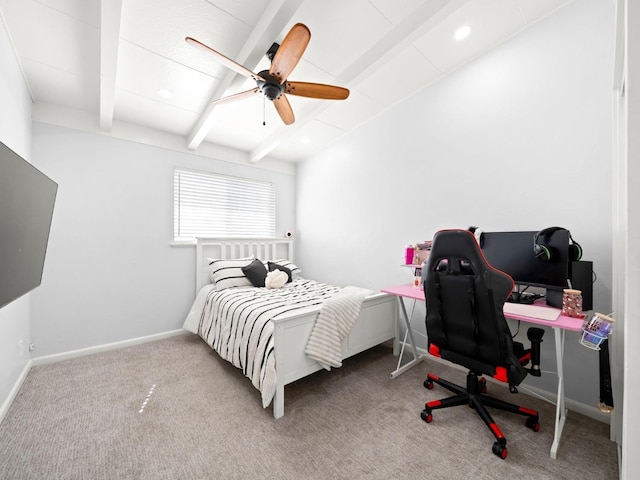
<point x="465" y="325"/>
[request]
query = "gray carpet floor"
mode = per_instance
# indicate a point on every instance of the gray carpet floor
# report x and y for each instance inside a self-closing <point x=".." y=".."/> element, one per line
<point x="172" y="409"/>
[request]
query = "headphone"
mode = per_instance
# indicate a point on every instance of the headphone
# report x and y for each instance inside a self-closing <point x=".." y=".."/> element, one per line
<point x="477" y="232"/>
<point x="546" y="253"/>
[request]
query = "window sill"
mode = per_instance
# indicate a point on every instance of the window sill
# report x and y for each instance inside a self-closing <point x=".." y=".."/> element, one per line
<point x="184" y="243"/>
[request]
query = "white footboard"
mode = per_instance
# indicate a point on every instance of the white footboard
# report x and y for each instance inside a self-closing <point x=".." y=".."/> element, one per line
<point x="376" y="323"/>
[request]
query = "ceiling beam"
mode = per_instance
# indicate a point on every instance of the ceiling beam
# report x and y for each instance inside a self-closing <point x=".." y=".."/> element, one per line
<point x="274" y="19"/>
<point x="398" y="38"/>
<point x="110" y="16"/>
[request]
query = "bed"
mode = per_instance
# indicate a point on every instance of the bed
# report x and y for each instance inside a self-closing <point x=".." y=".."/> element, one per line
<point x="288" y="334"/>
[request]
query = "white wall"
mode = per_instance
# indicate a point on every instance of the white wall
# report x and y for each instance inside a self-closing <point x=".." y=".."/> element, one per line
<point x="520" y="139"/>
<point x="111" y="274"/>
<point x="627" y="245"/>
<point x="15" y="132"/>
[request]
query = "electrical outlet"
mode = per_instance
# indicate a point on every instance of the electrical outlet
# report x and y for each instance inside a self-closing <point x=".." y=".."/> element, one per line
<point x="32" y="347"/>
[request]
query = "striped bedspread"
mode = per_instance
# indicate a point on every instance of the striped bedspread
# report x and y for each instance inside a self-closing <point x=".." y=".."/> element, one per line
<point x="236" y="323"/>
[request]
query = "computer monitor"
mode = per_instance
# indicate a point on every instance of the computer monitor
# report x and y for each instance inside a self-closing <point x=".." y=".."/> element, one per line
<point x="513" y="253"/>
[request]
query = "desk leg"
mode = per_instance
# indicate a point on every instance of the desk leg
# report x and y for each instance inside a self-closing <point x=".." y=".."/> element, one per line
<point x="561" y="411"/>
<point x="416" y="358"/>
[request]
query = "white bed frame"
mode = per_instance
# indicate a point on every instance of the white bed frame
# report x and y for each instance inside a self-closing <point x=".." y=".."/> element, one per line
<point x="377" y="322"/>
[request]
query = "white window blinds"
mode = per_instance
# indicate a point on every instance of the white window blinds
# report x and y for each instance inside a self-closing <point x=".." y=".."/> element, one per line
<point x="211" y="205"/>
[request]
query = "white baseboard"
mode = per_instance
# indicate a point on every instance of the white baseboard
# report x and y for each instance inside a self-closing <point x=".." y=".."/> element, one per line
<point x="57" y="357"/>
<point x="579" y="407"/>
<point x="15" y="390"/>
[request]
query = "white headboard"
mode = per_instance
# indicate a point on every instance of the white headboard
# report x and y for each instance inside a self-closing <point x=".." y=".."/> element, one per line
<point x="230" y="248"/>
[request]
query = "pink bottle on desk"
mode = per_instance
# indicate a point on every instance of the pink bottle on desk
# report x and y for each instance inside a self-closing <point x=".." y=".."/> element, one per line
<point x="408" y="258"/>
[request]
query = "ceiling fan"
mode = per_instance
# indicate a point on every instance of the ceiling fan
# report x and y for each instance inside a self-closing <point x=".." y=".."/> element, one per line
<point x="273" y="83"/>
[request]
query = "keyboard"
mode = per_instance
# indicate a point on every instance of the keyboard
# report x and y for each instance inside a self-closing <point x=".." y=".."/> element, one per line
<point x="535" y="311"/>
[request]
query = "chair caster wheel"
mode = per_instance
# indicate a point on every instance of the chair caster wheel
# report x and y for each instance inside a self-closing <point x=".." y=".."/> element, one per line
<point x="513" y="389"/>
<point x="499" y="450"/>
<point x="533" y="424"/>
<point x="428" y="384"/>
<point x="426" y="416"/>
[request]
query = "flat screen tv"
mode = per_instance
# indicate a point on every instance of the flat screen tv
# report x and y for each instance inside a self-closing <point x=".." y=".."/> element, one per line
<point x="27" y="197"/>
<point x="512" y="253"/>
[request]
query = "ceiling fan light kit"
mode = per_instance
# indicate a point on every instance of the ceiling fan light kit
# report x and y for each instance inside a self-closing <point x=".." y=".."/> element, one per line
<point x="273" y="83"/>
<point x="269" y="85"/>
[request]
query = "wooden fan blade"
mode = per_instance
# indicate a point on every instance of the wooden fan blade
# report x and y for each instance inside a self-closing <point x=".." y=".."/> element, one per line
<point x="227" y="62"/>
<point x="290" y="52"/>
<point x="284" y="110"/>
<point x="316" y="90"/>
<point x="236" y="96"/>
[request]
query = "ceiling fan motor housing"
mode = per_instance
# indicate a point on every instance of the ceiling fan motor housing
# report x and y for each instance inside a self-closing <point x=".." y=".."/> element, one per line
<point x="271" y="87"/>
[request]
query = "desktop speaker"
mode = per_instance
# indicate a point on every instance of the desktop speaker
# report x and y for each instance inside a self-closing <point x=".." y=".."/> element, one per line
<point x="582" y="279"/>
<point x="581" y="276"/>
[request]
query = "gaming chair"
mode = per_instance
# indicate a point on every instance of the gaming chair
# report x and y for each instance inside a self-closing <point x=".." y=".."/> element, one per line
<point x="465" y="325"/>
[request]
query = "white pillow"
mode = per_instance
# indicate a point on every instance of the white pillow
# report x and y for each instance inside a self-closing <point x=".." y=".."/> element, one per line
<point x="276" y="279"/>
<point x="228" y="273"/>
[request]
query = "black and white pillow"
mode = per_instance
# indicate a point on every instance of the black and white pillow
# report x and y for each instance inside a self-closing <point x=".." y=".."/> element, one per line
<point x="295" y="270"/>
<point x="228" y="273"/>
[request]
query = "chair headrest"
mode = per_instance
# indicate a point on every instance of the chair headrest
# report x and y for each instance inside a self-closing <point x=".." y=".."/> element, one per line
<point x="461" y="246"/>
<point x="457" y="243"/>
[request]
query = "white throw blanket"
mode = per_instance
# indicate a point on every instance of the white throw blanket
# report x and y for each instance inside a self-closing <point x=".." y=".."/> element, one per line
<point x="335" y="319"/>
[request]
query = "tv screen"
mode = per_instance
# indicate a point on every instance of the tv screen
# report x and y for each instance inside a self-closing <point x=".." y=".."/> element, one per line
<point x="512" y="253"/>
<point x="27" y="197"/>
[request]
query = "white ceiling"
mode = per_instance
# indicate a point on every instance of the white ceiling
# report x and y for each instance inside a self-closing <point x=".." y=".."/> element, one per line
<point x="100" y="64"/>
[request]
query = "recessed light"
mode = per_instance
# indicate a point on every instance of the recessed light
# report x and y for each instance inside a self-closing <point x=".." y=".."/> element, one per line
<point x="305" y="140"/>
<point x="462" y="32"/>
<point x="164" y="93"/>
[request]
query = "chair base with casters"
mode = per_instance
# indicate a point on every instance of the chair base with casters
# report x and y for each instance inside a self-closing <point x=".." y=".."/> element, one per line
<point x="475" y="396"/>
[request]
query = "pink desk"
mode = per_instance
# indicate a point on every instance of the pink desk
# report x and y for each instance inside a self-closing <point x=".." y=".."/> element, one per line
<point x="560" y="325"/>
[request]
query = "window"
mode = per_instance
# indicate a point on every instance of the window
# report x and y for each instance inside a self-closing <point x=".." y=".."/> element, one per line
<point x="211" y="205"/>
